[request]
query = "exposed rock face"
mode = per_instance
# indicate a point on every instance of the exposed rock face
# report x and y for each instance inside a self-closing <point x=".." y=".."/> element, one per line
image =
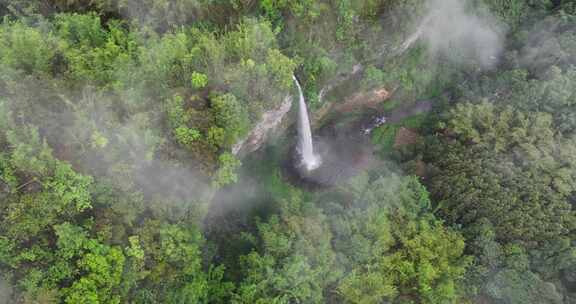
<point x="369" y="99"/>
<point x="272" y="120"/>
<point x="356" y="69"/>
<point x="268" y="124"/>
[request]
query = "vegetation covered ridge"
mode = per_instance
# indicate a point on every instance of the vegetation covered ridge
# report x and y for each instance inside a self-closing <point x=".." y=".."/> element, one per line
<point x="454" y="183"/>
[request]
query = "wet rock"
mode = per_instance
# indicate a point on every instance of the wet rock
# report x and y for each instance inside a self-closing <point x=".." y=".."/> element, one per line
<point x="368" y="99"/>
<point x="269" y="123"/>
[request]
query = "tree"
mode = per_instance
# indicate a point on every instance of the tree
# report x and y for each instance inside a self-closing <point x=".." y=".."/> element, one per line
<point x="507" y="166"/>
<point x="91" y="51"/>
<point x="174" y="272"/>
<point x="392" y="246"/>
<point x="199" y="80"/>
<point x="502" y="174"/>
<point x="226" y="173"/>
<point x="292" y="260"/>
<point x="230" y="116"/>
<point x="186" y="136"/>
<point x="26" y="48"/>
<point x="70" y="188"/>
<point x="101" y="266"/>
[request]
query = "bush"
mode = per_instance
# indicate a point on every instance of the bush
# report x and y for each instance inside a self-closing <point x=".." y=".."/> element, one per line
<point x="230" y="115"/>
<point x="373" y="76"/>
<point x="199" y="80"/>
<point x="26" y="48"/>
<point x="81" y="30"/>
<point x="186" y="136"/>
<point x="226" y="173"/>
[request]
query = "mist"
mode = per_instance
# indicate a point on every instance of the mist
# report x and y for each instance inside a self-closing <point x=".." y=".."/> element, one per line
<point x="460" y="32"/>
<point x="445" y="127"/>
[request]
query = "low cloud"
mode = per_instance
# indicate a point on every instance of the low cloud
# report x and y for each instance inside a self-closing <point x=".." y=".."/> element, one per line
<point x="460" y="32"/>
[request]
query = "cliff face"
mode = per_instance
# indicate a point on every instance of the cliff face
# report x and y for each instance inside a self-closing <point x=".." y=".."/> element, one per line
<point x="364" y="99"/>
<point x="268" y="125"/>
<point x="275" y="121"/>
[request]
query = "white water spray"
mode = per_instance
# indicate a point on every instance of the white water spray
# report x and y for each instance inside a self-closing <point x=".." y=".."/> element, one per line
<point x="310" y="161"/>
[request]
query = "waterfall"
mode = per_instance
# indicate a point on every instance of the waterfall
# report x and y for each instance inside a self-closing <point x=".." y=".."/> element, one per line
<point x="310" y="161"/>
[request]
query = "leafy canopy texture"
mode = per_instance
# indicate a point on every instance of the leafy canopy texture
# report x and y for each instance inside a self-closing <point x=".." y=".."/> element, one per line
<point x="392" y="246"/>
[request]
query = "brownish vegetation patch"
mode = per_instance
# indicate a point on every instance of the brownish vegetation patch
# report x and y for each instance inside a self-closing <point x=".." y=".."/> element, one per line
<point x="405" y="136"/>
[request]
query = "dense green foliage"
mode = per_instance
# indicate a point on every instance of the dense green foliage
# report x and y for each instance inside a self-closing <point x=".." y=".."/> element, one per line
<point x="393" y="246"/>
<point x="120" y="182"/>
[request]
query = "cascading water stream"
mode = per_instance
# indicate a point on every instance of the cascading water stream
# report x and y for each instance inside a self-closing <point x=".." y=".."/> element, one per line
<point x="310" y="161"/>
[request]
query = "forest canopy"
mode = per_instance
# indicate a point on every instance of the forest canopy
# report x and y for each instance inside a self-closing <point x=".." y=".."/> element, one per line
<point x="149" y="151"/>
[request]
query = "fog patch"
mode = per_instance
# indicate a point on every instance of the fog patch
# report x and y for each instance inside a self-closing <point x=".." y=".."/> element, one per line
<point x="550" y="42"/>
<point x="460" y="32"/>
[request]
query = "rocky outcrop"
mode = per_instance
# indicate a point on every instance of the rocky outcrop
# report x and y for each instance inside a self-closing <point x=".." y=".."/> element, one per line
<point x="272" y="121"/>
<point x="369" y="99"/>
<point x="356" y="69"/>
<point x="267" y="125"/>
